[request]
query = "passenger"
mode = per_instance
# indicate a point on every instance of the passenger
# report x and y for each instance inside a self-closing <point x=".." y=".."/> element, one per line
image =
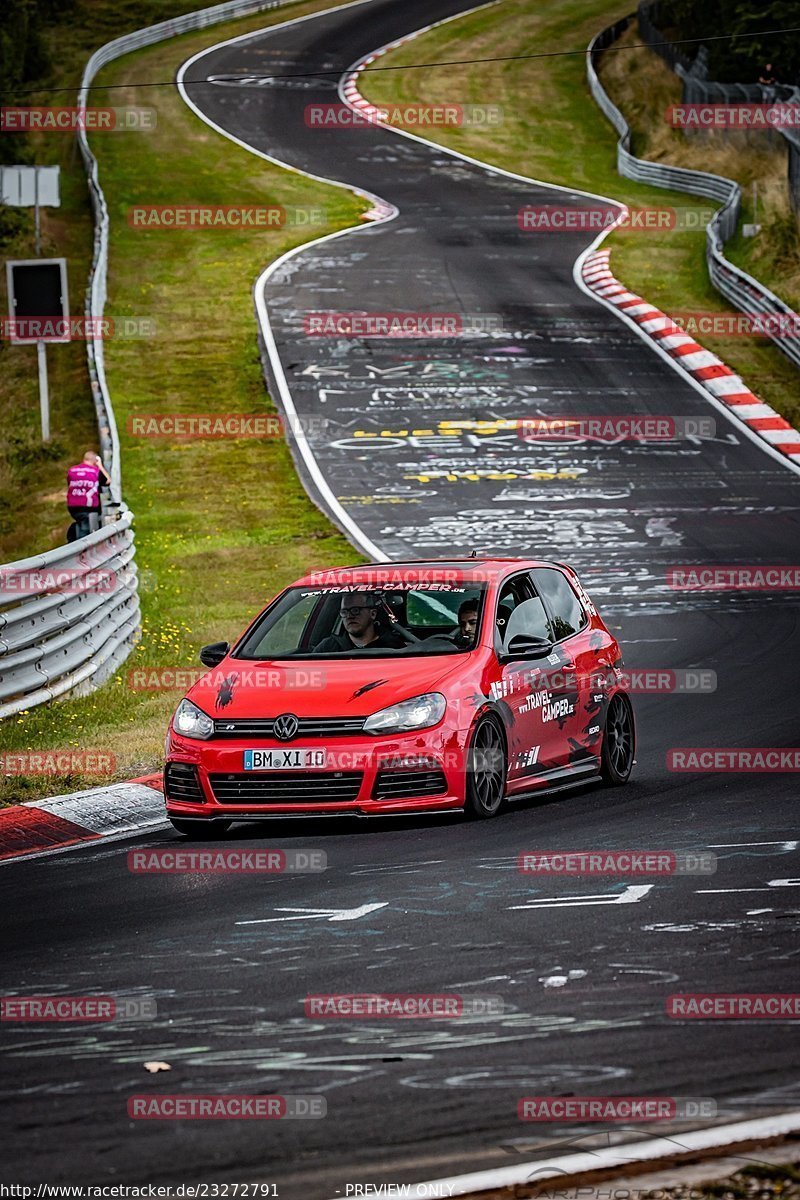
<point x="359" y="613"/>
<point x="467" y="624"/>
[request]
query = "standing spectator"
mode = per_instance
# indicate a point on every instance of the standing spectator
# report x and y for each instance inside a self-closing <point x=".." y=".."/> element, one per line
<point x="83" y="493"/>
<point x="768" y="82"/>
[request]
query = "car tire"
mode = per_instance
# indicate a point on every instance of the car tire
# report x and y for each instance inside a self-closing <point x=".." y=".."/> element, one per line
<point x="487" y="771"/>
<point x="200" y="831"/>
<point x="619" y="742"/>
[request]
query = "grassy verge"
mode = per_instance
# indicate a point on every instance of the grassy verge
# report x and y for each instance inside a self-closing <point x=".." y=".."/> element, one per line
<point x="32" y="513"/>
<point x="221" y="525"/>
<point x="32" y="476"/>
<point x="553" y="130"/>
<point x="758" y="1179"/>
<point x="643" y="87"/>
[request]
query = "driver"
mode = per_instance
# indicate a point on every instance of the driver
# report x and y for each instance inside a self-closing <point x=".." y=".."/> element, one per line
<point x="359" y="613"/>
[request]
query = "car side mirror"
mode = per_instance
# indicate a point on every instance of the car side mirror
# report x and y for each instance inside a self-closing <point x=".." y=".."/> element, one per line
<point x="212" y="656"/>
<point x="525" y="645"/>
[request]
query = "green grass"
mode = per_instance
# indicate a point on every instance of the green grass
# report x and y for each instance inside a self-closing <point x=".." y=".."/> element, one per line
<point x="32" y="476"/>
<point x="781" y="1182"/>
<point x="553" y="130"/>
<point x="220" y="525"/>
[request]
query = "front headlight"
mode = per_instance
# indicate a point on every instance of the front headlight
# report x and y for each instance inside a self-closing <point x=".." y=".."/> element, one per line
<point x="190" y="721"/>
<point x="419" y="713"/>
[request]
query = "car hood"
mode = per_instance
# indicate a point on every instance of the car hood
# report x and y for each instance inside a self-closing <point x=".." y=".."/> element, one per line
<point x="317" y="688"/>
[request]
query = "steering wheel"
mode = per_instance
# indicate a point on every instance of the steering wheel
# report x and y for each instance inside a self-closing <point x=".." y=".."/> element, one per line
<point x="408" y="637"/>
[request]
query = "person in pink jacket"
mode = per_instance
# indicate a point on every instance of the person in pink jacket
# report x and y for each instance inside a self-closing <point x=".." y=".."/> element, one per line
<point x="84" y="481"/>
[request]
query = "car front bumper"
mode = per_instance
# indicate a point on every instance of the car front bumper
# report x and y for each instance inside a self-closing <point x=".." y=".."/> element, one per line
<point x="422" y="771"/>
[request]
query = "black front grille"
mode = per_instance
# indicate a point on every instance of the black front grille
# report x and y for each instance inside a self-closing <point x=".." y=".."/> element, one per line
<point x="181" y="783"/>
<point x="396" y="785"/>
<point x="308" y="727"/>
<point x="287" y="787"/>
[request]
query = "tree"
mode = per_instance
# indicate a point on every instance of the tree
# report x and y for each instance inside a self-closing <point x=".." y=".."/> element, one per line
<point x="743" y="58"/>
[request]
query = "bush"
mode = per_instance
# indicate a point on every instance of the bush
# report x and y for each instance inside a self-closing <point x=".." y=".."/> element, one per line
<point x="743" y="58"/>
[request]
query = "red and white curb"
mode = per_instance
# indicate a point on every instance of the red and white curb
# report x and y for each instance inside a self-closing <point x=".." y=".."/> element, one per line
<point x="690" y="356"/>
<point x="676" y="1148"/>
<point x="348" y="88"/>
<point x="348" y="91"/>
<point x="45" y="826"/>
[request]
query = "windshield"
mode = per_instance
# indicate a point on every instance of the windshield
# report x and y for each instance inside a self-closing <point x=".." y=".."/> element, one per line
<point x="346" y="622"/>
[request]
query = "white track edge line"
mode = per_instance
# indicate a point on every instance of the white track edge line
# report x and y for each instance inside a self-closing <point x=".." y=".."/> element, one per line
<point x="652" y="1150"/>
<point x="753" y="436"/>
<point x="726" y="409"/>
<point x="356" y="534"/>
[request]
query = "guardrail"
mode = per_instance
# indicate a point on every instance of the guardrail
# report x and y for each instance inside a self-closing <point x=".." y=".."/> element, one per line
<point x="740" y="289"/>
<point x="69" y="617"/>
<point x="96" y="292"/>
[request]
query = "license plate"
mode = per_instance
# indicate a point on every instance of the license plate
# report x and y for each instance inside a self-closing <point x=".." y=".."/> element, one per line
<point x="298" y="758"/>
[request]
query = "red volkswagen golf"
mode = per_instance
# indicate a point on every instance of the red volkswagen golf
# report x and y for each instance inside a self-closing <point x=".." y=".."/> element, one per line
<point x="403" y="687"/>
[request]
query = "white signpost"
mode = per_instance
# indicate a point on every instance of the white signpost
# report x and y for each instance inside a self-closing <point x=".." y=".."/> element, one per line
<point x="37" y="289"/>
<point x="28" y="290"/>
<point x="30" y="187"/>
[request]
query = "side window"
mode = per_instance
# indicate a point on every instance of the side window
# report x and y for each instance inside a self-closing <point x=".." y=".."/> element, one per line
<point x="519" y="610"/>
<point x="285" y="635"/>
<point x="507" y="601"/>
<point x="528" y="618"/>
<point x="567" y="616"/>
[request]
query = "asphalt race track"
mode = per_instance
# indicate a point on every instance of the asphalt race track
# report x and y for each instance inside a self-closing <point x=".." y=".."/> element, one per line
<point x="584" y="987"/>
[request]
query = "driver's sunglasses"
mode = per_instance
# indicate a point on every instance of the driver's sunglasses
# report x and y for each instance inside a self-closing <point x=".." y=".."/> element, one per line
<point x="353" y="610"/>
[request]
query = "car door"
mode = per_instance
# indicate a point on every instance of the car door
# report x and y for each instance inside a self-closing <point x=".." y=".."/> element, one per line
<point x="522" y="688"/>
<point x="580" y="712"/>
